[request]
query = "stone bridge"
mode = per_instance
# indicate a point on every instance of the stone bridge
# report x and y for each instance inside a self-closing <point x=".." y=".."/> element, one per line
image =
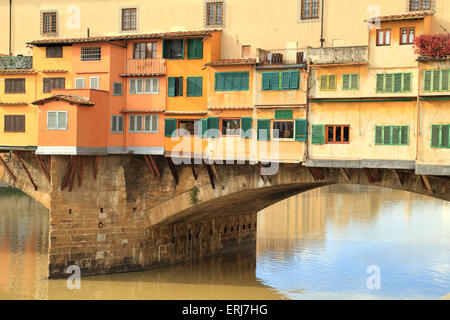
<point x="127" y="213"/>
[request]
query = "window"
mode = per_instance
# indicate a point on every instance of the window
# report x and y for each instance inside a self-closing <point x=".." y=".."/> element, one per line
<point x="151" y="124"/>
<point x="190" y="127"/>
<point x="317" y="134"/>
<point x="436" y="80"/>
<point x="328" y="82"/>
<point x="14" y="85"/>
<point x="407" y="36"/>
<point x="440" y="136"/>
<point x="194" y="86"/>
<point x="53" y="83"/>
<point x="128" y="19"/>
<point x="310" y="9"/>
<point x="263" y="128"/>
<point x="54" y="52"/>
<point x="175" y="87"/>
<point x="173" y="49"/>
<point x="286" y="80"/>
<point x="231" y="81"/>
<point x="337" y="134"/>
<point x="231" y="127"/>
<point x="116" y="124"/>
<point x="57" y="120"/>
<point x="151" y="86"/>
<point x="283" y="114"/>
<point x="145" y="50"/>
<point x="195" y="49"/>
<point x="350" y="81"/>
<point x="393" y="82"/>
<point x="214" y="14"/>
<point x="49" y="21"/>
<point x="79" y="83"/>
<point x="135" y="123"/>
<point x="91" y="53"/>
<point x="283" y="129"/>
<point x="117" y="89"/>
<point x="392" y="135"/>
<point x="416" y="5"/>
<point x="94" y="83"/>
<point x="383" y="37"/>
<point x="14" y="123"/>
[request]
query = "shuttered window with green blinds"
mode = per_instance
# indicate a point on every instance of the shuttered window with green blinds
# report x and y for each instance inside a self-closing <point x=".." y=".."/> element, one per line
<point x="318" y="134"/>
<point x="170" y="125"/>
<point x="393" y="82"/>
<point x="350" y="81"/>
<point x="286" y="80"/>
<point x="203" y="127"/>
<point x="283" y="114"/>
<point x="392" y="135"/>
<point x="263" y="129"/>
<point x="231" y="81"/>
<point x="301" y="129"/>
<point x="195" y="49"/>
<point x="440" y="136"/>
<point x="328" y="82"/>
<point x="175" y="87"/>
<point x="213" y="127"/>
<point x="436" y="80"/>
<point x="246" y="127"/>
<point x="194" y="86"/>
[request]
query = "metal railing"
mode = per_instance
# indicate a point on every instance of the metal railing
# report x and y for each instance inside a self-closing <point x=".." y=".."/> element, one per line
<point x="146" y="66"/>
<point x="281" y="57"/>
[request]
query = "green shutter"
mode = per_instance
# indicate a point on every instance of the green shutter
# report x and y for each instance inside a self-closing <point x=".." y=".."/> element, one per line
<point x="404" y="135"/>
<point x="213" y="123"/>
<point x="236" y="81"/>
<point x="194" y="86"/>
<point x="180" y="86"/>
<point x="395" y="135"/>
<point x="244" y="80"/>
<point x="445" y="139"/>
<point x="195" y="49"/>
<point x="184" y="47"/>
<point x="220" y="81"/>
<point x="389" y="82"/>
<point x="355" y="81"/>
<point x="332" y="82"/>
<point x="283" y="114"/>
<point x="203" y="127"/>
<point x="274" y="81"/>
<point x="246" y="127"/>
<point x="170" y="125"/>
<point x="427" y="80"/>
<point x="171" y="89"/>
<point x="266" y="81"/>
<point x="378" y="135"/>
<point x="324" y="82"/>
<point x="436" y="80"/>
<point x="300" y="129"/>
<point x="346" y="82"/>
<point x="285" y="80"/>
<point x="263" y="130"/>
<point x="444" y="80"/>
<point x="190" y="83"/>
<point x="380" y="82"/>
<point x="318" y="134"/>
<point x="435" y="133"/>
<point x="228" y="81"/>
<point x="199" y="87"/>
<point x="398" y="77"/>
<point x="165" y="49"/>
<point x="407" y="82"/>
<point x="387" y="135"/>
<point x="294" y="81"/>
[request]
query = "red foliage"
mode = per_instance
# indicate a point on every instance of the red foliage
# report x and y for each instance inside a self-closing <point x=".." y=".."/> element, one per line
<point x="433" y="45"/>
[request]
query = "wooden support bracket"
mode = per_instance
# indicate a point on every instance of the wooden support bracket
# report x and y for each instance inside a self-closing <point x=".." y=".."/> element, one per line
<point x="43" y="167"/>
<point x="376" y="175"/>
<point x="149" y="165"/>
<point x="13" y="177"/>
<point x="67" y="174"/>
<point x="345" y="174"/>
<point x="194" y="173"/>
<point x="397" y="177"/>
<point x="316" y="174"/>
<point x="427" y="184"/>
<point x="80" y="173"/>
<point x="155" y="167"/>
<point x="216" y="174"/>
<point x="26" y="170"/>
<point x="173" y="170"/>
<point x="97" y="158"/>
<point x="74" y="173"/>
<point x="369" y="176"/>
<point x="211" y="175"/>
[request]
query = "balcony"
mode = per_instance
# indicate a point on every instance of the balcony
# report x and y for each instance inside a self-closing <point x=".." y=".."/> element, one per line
<point x="277" y="58"/>
<point x="145" y="67"/>
<point x="338" y="55"/>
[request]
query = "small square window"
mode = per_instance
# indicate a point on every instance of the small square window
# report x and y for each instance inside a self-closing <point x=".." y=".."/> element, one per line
<point x="91" y="54"/>
<point x="54" y="52"/>
<point x="117" y="89"/>
<point x="383" y="37"/>
<point x="49" y="23"/>
<point x="214" y="14"/>
<point x="128" y="19"/>
<point x="407" y="36"/>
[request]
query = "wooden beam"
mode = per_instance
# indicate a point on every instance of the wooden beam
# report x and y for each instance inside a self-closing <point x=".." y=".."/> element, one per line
<point x="173" y="170"/>
<point x="194" y="173"/>
<point x="397" y="176"/>
<point x="67" y="175"/>
<point x="80" y="173"/>
<point x="211" y="176"/>
<point x="369" y="176"/>
<point x="26" y="170"/>
<point x="216" y="174"/>
<point x="155" y="167"/>
<point x="13" y="177"/>
<point x="345" y="174"/>
<point x="376" y="175"/>
<point x="427" y="183"/>
<point x="316" y="174"/>
<point x="74" y="173"/>
<point x="97" y="158"/>
<point x="44" y="169"/>
<point x="149" y="165"/>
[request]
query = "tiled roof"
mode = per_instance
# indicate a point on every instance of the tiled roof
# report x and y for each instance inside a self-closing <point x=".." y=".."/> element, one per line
<point x="5" y="104"/>
<point x="17" y="71"/>
<point x="231" y="108"/>
<point x="399" y="17"/>
<point x="164" y="35"/>
<point x="227" y="62"/>
<point x="142" y="111"/>
<point x="142" y="74"/>
<point x="67" y="98"/>
<point x="54" y="71"/>
<point x="186" y="112"/>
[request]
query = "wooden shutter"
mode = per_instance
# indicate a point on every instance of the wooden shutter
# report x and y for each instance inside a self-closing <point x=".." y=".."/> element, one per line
<point x="396" y="139"/>
<point x="199" y="86"/>
<point x="165" y="49"/>
<point x="398" y="78"/>
<point x="355" y="81"/>
<point x="236" y="81"/>
<point x="324" y="82"/>
<point x="170" y="125"/>
<point x="182" y="50"/>
<point x="114" y="124"/>
<point x="332" y="82"/>
<point x="387" y="135"/>
<point x="52" y="120"/>
<point x="263" y="130"/>
<point x="283" y="114"/>
<point x="285" y="80"/>
<point x="266" y="81"/>
<point x="244" y="80"/>
<point x="213" y="123"/>
<point x="171" y="88"/>
<point x="436" y="80"/>
<point x="435" y="133"/>
<point x="389" y="82"/>
<point x="407" y="82"/>
<point x="427" y="80"/>
<point x="203" y="127"/>
<point x="318" y="134"/>
<point x="246" y="127"/>
<point x="378" y="135"/>
<point x="294" y="80"/>
<point x="228" y="81"/>
<point x="445" y="80"/>
<point x="300" y="129"/>
<point x="190" y="84"/>
<point x="220" y="81"/>
<point x="62" y="120"/>
<point x="274" y="81"/>
<point x="46" y="85"/>
<point x="195" y="49"/>
<point x="346" y="82"/>
<point x="180" y="86"/>
<point x="404" y="140"/>
<point x="380" y="82"/>
<point x="445" y="139"/>
<point x="8" y="126"/>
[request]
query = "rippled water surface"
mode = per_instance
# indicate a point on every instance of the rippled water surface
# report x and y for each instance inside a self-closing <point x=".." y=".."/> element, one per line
<point x="316" y="245"/>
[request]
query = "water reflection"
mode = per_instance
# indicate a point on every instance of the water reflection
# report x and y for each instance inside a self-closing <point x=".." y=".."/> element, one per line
<point x="315" y="245"/>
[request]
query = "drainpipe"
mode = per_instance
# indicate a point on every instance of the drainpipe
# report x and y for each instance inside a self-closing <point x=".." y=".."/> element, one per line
<point x="10" y="27"/>
<point x="322" y="40"/>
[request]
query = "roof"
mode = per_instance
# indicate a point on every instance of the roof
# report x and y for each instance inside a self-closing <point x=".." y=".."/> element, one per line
<point x="82" y="101"/>
<point x="5" y="104"/>
<point x="400" y="17"/>
<point x="235" y="62"/>
<point x="54" y="71"/>
<point x="142" y="111"/>
<point x="164" y="35"/>
<point x="17" y="71"/>
<point x="231" y="108"/>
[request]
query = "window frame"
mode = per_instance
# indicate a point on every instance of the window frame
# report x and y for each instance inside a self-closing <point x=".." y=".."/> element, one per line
<point x="350" y="88"/>
<point x="86" y="56"/>
<point x="328" y="82"/>
<point x="311" y="6"/>
<point x="230" y="135"/>
<point x="14" y="116"/>
<point x="52" y="29"/>
<point x="213" y="5"/>
<point x="168" y="43"/>
<point x="245" y="74"/>
<point x="115" y="118"/>
<point x="272" y="129"/>
<point x="52" y="80"/>
<point x="57" y="120"/>
<point x="334" y="126"/>
<point x="408" y="29"/>
<point x="15" y="80"/>
<point x="152" y="130"/>
<point x="98" y="82"/>
<point x="122" y="20"/>
<point x="135" y="117"/>
<point x="114" y="89"/>
<point x="196" y="121"/>
<point x="384" y="44"/>
<point x="439" y="146"/>
<point x="420" y="5"/>
<point x="84" y="83"/>
<point x="59" y="53"/>
<point x="193" y="81"/>
<point x="153" y="51"/>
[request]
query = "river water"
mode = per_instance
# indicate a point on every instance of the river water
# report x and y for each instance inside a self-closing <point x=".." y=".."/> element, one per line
<point x="337" y="242"/>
